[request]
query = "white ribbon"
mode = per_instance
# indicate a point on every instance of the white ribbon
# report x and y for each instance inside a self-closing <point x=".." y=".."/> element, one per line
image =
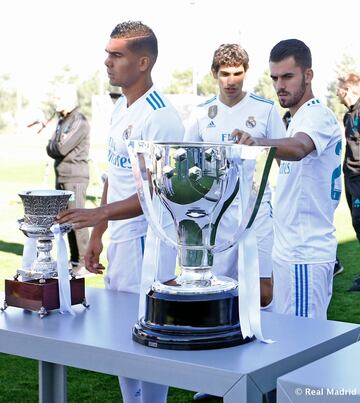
<point x="63" y="271"/>
<point x="248" y="274"/>
<point x="29" y="255"/>
<point x="153" y="267"/>
<point x="151" y="259"/>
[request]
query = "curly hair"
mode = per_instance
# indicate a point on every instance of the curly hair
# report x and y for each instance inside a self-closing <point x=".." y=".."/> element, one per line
<point x="230" y="55"/>
<point x="141" y="37"/>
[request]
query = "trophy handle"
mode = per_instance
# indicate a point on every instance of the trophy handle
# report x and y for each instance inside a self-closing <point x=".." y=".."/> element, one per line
<point x="142" y="182"/>
<point x="253" y="203"/>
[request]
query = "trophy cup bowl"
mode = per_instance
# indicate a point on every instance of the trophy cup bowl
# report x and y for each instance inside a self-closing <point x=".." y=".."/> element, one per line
<point x="196" y="182"/>
<point x="40" y="210"/>
<point x="36" y="287"/>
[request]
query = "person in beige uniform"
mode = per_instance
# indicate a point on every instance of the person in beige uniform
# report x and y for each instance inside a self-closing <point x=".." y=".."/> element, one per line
<point x="69" y="147"/>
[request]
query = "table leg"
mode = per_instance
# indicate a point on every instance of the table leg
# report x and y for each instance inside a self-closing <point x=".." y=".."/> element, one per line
<point x="245" y="390"/>
<point x="52" y="383"/>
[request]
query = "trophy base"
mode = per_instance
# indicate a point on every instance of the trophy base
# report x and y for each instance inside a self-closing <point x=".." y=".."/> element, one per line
<point x="190" y="322"/>
<point x="41" y="297"/>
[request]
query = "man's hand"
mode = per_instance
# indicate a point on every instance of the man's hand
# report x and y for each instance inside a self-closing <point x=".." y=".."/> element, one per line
<point x="92" y="255"/>
<point x="81" y="217"/>
<point x="241" y="137"/>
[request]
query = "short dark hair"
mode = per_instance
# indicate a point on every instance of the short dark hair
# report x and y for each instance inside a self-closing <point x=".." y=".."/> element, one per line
<point x="292" y="48"/>
<point x="230" y="55"/>
<point x="142" y="38"/>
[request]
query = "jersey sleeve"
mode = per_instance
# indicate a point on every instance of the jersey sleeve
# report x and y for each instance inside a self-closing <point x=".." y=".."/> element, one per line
<point x="163" y="125"/>
<point x="275" y="128"/>
<point x="321" y="126"/>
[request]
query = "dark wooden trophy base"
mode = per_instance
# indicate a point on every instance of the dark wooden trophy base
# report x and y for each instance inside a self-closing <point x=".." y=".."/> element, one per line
<point x="41" y="297"/>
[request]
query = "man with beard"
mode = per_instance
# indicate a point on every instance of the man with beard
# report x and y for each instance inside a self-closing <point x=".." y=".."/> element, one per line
<point x="142" y="113"/>
<point x="308" y="187"/>
<point x="348" y="92"/>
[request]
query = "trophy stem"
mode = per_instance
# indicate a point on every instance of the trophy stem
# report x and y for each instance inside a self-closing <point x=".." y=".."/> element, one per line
<point x="44" y="261"/>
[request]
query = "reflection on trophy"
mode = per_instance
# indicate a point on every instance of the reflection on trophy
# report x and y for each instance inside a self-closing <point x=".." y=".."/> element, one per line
<point x="196" y="182"/>
<point x="36" y="286"/>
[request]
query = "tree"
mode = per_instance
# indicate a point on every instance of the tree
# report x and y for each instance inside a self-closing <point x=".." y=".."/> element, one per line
<point x="86" y="89"/>
<point x="8" y="103"/>
<point x="265" y="89"/>
<point x="181" y="82"/>
<point x="208" y="85"/>
<point x="346" y="65"/>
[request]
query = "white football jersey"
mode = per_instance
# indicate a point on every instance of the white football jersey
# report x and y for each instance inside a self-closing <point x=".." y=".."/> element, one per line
<point x="214" y="121"/>
<point x="151" y="118"/>
<point x="308" y="191"/>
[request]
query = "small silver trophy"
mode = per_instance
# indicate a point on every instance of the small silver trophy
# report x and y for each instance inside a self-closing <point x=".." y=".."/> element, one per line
<point x="41" y="208"/>
<point x="196" y="182"/>
<point x="36" y="286"/>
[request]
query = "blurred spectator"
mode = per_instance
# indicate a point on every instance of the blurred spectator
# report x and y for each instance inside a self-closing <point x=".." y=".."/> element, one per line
<point x="69" y="147"/>
<point x="348" y="91"/>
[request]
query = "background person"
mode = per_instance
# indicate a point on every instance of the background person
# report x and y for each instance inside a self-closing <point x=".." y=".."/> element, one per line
<point x="348" y="91"/>
<point x="69" y="147"/>
<point x="141" y="113"/>
<point x="214" y="121"/>
<point x="308" y="187"/>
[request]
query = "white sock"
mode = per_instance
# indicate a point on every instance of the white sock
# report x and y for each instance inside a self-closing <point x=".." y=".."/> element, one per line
<point x="130" y="390"/>
<point x="153" y="392"/>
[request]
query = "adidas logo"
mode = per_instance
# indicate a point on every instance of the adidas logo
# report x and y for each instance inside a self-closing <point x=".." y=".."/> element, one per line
<point x="356" y="203"/>
<point x="211" y="124"/>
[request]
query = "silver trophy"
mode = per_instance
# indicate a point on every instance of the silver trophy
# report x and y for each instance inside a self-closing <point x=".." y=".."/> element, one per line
<point x="41" y="208"/>
<point x="196" y="182"/>
<point x="36" y="286"/>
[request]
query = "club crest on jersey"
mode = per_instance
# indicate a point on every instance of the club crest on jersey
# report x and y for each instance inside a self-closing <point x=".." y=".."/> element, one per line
<point x="251" y="122"/>
<point x="212" y="112"/>
<point x="127" y="133"/>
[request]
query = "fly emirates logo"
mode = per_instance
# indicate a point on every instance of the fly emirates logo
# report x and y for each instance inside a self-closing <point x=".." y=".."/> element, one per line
<point x="285" y="168"/>
<point x="117" y="159"/>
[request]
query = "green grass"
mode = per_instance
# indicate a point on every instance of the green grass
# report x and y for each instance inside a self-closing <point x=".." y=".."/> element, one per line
<point x="23" y="165"/>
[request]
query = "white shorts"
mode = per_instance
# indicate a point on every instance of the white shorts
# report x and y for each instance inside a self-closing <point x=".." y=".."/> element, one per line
<point x="225" y="263"/>
<point x="125" y="263"/>
<point x="302" y="289"/>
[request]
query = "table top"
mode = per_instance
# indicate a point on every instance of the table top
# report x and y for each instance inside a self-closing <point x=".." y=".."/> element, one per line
<point x="337" y="371"/>
<point x="99" y="339"/>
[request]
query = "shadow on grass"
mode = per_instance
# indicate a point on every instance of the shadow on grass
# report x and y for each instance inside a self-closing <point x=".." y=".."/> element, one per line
<point x="345" y="305"/>
<point x="11" y="247"/>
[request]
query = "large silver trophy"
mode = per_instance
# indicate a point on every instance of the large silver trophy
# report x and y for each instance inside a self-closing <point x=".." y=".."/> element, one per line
<point x="196" y="182"/>
<point x="35" y="285"/>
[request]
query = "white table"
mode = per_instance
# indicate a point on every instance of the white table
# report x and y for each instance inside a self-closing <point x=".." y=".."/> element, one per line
<point x="334" y="378"/>
<point x="99" y="339"/>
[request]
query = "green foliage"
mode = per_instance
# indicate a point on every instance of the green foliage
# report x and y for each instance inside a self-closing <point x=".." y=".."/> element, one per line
<point x="86" y="89"/>
<point x="8" y="103"/>
<point x="181" y="82"/>
<point x="265" y="89"/>
<point x="208" y="85"/>
<point x="346" y="65"/>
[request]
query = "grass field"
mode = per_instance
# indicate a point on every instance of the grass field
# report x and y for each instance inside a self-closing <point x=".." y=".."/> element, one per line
<point x="23" y="165"/>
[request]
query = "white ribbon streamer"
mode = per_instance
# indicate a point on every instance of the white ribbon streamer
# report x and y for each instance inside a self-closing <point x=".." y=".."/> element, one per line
<point x="63" y="271"/>
<point x="151" y="259"/>
<point x="29" y="255"/>
<point x="153" y="268"/>
<point x="248" y="275"/>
